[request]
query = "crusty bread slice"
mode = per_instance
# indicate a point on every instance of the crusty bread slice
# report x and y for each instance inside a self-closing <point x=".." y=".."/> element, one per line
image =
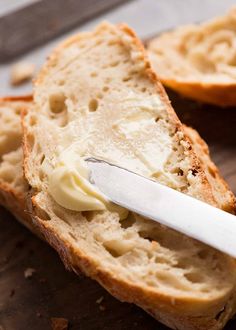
<point x="198" y="61"/>
<point x="98" y="90"/>
<point x="13" y="187"/>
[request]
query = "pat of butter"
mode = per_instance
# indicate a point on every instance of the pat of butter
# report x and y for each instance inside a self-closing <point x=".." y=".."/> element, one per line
<point x="70" y="187"/>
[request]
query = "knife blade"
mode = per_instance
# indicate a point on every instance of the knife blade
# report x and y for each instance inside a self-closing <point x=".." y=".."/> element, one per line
<point x="165" y="205"/>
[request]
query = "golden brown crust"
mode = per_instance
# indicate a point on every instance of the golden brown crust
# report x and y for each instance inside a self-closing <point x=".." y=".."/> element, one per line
<point x="15" y="201"/>
<point x="201" y="77"/>
<point x="160" y="306"/>
<point x="217" y="181"/>
<point x="218" y="94"/>
<point x="22" y="98"/>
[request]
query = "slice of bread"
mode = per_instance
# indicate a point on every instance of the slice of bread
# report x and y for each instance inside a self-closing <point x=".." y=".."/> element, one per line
<point x="98" y="90"/>
<point x="13" y="187"/>
<point x="199" y="61"/>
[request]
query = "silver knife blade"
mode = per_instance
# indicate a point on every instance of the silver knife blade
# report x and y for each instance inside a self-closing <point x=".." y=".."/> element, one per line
<point x="165" y="205"/>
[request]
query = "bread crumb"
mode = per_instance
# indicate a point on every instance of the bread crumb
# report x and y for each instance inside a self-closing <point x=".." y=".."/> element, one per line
<point x="102" y="308"/>
<point x="21" y="72"/>
<point x="38" y="314"/>
<point x="59" y="323"/>
<point x="29" y="272"/>
<point x="99" y="300"/>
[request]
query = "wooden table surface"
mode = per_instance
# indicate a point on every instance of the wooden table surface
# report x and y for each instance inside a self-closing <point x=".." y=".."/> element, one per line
<point x="30" y="303"/>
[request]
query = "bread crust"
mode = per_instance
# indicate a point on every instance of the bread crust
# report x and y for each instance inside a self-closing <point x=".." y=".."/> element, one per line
<point x="168" y="47"/>
<point x="160" y="306"/>
<point x="222" y="188"/>
<point x="11" y="199"/>
<point x="223" y="95"/>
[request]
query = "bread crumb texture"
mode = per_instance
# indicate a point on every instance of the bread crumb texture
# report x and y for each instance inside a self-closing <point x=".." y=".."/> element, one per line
<point x="11" y="172"/>
<point x="201" y="57"/>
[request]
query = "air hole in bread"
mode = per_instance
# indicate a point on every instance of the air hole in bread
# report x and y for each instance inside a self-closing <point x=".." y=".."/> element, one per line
<point x="178" y="171"/>
<point x="145" y="235"/>
<point x="143" y="89"/>
<point x="72" y="236"/>
<point x="157" y="119"/>
<point x="194" y="277"/>
<point x="59" y="213"/>
<point x="88" y="215"/>
<point x="94" y="74"/>
<point x="61" y="82"/>
<point x="128" y="222"/>
<point x="182" y="263"/>
<point x="42" y="214"/>
<point x="203" y="254"/>
<point x="126" y="78"/>
<point x="17" y="111"/>
<point x="151" y="282"/>
<point x="105" y="89"/>
<point x="112" y="251"/>
<point x="220" y="313"/>
<point x="32" y="120"/>
<point x="42" y="159"/>
<point x="162" y="260"/>
<point x="164" y="278"/>
<point x="156" y="175"/>
<point x="93" y="105"/>
<point x="194" y="172"/>
<point x="57" y="102"/>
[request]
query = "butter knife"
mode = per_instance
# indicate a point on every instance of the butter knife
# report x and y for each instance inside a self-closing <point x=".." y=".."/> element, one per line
<point x="165" y="205"/>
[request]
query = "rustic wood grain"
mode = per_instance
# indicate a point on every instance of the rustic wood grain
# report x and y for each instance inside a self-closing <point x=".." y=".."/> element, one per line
<point x="40" y="21"/>
<point x="54" y="292"/>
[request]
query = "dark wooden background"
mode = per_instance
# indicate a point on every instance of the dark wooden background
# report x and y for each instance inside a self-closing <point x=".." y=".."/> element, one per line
<point x="54" y="292"/>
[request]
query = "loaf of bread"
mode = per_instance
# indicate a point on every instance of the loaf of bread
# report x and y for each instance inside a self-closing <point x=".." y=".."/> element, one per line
<point x="199" y="60"/>
<point x="97" y="92"/>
